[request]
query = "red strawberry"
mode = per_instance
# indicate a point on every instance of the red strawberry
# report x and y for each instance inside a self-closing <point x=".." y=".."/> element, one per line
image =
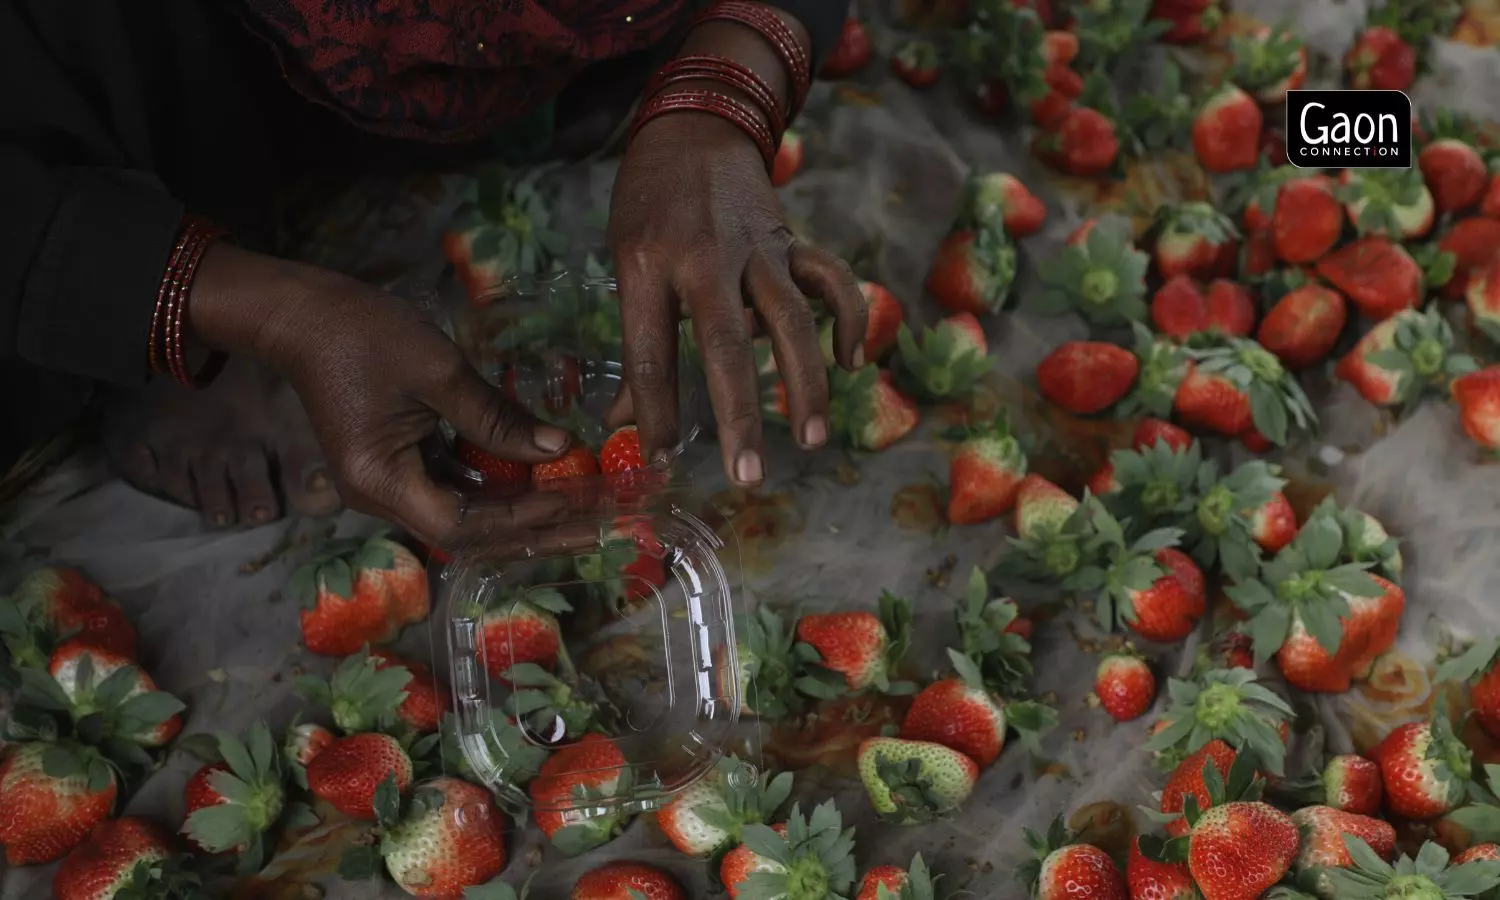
<point x="1273" y="146"/>
<point x="1474" y="243"/>
<point x="813" y="850"/>
<point x="984" y="475"/>
<point x="305" y="741"/>
<point x="1155" y="431"/>
<point x="578" y="462"/>
<point x="1103" y="482"/>
<point x="1041" y="508"/>
<point x="1353" y="784"/>
<point x="1303" y="326"/>
<point x="1194" y="239"/>
<point x="81" y="670"/>
<point x="1226" y="132"/>
<point x="741" y="862"/>
<point x="1391" y="202"/>
<point x="56" y="604"/>
<point x="1240" y="849"/>
<point x="1152" y="880"/>
<point x="1063" y="869"/>
<point x="992" y="98"/>
<point x="1083" y="143"/>
<point x="1273" y="524"/>
<point x="1378" y="276"/>
<point x="788" y="158"/>
<point x="627" y="881"/>
<point x="1079" y="235"/>
<point x="850" y="53"/>
<point x="1455" y="174"/>
<point x="1086" y="377"/>
<point x="594" y="765"/>
<point x="621" y="452"/>
<point x="426" y="695"/>
<point x="1000" y="199"/>
<point x="1187" y="781"/>
<point x="972" y="271"/>
<point x="126" y="857"/>
<point x="960" y="716"/>
<point x="1181" y="309"/>
<point x="949" y="360"/>
<point x="1376" y="384"/>
<point x="1191" y="20"/>
<point x="1268" y="63"/>
<point x="1059" y="48"/>
<point x="491" y="468"/>
<point x="861" y="646"/>
<point x="917" y="63"/>
<point x="346" y="774"/>
<point x="1258" y="255"/>
<point x="522" y="630"/>
<point x="478" y="276"/>
<point x="1477" y="853"/>
<point x="354" y="593"/>
<point x="1211" y="401"/>
<point x="1489" y="204"/>
<point x="452" y="840"/>
<point x="1477" y="395"/>
<point x="1063" y="87"/>
<point x="1424" y="767"/>
<point x="1168" y="610"/>
<point x="868" y="409"/>
<point x="891" y="878"/>
<point x="245" y="794"/>
<point x="1124" y="685"/>
<point x="1381" y="60"/>
<point x="1325" y="830"/>
<point x="1308" y="219"/>
<point x="884" y="317"/>
<point x="1483" y="298"/>
<point x="47" y="811"/>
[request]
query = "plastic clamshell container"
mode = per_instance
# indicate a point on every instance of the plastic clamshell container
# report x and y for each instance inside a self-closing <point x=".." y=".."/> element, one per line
<point x="626" y="632"/>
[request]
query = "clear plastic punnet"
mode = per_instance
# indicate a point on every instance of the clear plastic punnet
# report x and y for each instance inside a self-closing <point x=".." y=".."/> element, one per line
<point x="597" y="674"/>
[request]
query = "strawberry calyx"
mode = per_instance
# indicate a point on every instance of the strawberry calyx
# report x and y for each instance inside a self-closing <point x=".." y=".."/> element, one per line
<point x="1228" y="705"/>
<point x="253" y="798"/>
<point x="1243" y="784"/>
<point x="1000" y="657"/>
<point x="1262" y="62"/>
<point x="1417" y="22"/>
<point x="1219" y="528"/>
<point x="1391" y="202"/>
<point x="1003" y="42"/>
<point x="1163" y="364"/>
<point x="359" y="696"/>
<point x="1480" y="817"/>
<point x="1192" y="222"/>
<point x="778" y="671"/>
<point x="1422" y="354"/>
<point x="745" y="801"/>
<point x="549" y="709"/>
<point x="1158" y="119"/>
<point x="1117" y="568"/>
<point x="1109" y="30"/>
<point x="1428" y="876"/>
<point x="815" y="855"/>
<point x="1052" y="554"/>
<point x="1043" y="845"/>
<point x="947" y="362"/>
<point x="1277" y="401"/>
<point x="510" y="757"/>
<point x="1156" y="483"/>
<point x="1103" y="278"/>
<point x="895" y="618"/>
<point x="334" y="567"/>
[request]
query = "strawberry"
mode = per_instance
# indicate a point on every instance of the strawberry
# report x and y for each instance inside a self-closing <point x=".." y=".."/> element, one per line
<point x="1476" y="667"/>
<point x="1324" y="830"/>
<point x="1489" y="203"/>
<point x="1268" y="62"/>
<point x="591" y="769"/>
<point x="1086" y="377"/>
<point x="1405" y="357"/>
<point x="850" y="53"/>
<point x="621" y="452"/>
<point x="1059" y="48"/>
<point x="99" y="683"/>
<point x="914" y="781"/>
<point x="1273" y="524"/>
<point x="1000" y="200"/>
<point x="917" y="63"/>
<point x="479" y="274"/>
<point x="1232" y="377"/>
<point x="1103" y="278"/>
<point x="1082" y="143"/>
<point x="232" y="804"/>
<point x="1394" y="203"/>
<point x="1477" y="396"/>
<point x="995" y="639"/>
<point x="773" y="675"/>
<point x="959" y="715"/>
<point x="1483" y="298"/>
<point x="1052" y="109"/>
<point x="1474" y="243"/>
<point x="127" y="857"/>
<point x="578" y="462"/>
<point x="1080" y="234"/>
<point x="1425" y="769"/>
<point x="1181" y="309"/>
<point x="1307" y="220"/>
<point x="861" y="646"/>
<point x="355" y="593"/>
<point x="869" y="410"/>
<point x="47" y="810"/>
<point x="1222" y="529"/>
<point x="984" y="474"/>
<point x="491" y="469"/>
<point x="710" y="815"/>
<point x="915" y="882"/>
<point x="1103" y="483"/>
<point x="808" y="855"/>
<point x="1187" y="782"/>
<point x="788" y="159"/>
<point x="53" y="604"/>
<point x="950" y="359"/>
<point x="1189" y="21"/>
<point x="346" y="774"/>
<point x="1303" y="326"/>
<point x="362" y="694"/>
<point x="1194" y="239"/>
<point x="1478" y="852"/>
<point x="884" y="316"/>
<point x="1051" y="526"/>
<point x="1149" y="879"/>
<point x="426" y="694"/>
<point x="1064" y="869"/>
<point x="1428" y="875"/>
<point x="1353" y="784"/>
<point x="1226" y="132"/>
<point x="1238" y="850"/>
<point x="448" y="836"/>
<point x="1163" y="365"/>
<point x="1124" y="685"/>
<point x="1377" y="384"/>
<point x="1225" y="704"/>
<point x="303" y="742"/>
<point x="627" y="881"/>
<point x="1380" y="60"/>
<point x="1154" y="431"/>
<point x="522" y="630"/>
<point x="1145" y="584"/>
<point x="972" y="271"/>
<point x="1456" y="174"/>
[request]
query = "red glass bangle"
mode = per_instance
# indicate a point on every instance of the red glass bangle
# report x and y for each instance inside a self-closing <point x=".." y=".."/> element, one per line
<point x="728" y="72"/>
<point x="168" y="350"/>
<point x="721" y="105"/>
<point x="778" y="34"/>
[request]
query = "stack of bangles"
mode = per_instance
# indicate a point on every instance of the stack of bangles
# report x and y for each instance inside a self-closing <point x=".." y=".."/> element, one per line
<point x="763" y="118"/>
<point x="168" y="347"/>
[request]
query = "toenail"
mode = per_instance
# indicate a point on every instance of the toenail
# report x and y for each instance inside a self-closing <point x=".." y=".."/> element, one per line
<point x="260" y="514"/>
<point x="318" y="480"/>
<point x="221" y="519"/>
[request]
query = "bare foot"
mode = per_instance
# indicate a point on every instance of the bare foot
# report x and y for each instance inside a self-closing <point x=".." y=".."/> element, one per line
<point x="240" y="451"/>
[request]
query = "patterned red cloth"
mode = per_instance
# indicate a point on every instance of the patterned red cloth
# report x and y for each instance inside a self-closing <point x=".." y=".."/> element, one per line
<point x="450" y="70"/>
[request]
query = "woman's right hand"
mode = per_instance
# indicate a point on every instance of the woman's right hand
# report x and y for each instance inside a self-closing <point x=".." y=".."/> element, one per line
<point x="376" y="376"/>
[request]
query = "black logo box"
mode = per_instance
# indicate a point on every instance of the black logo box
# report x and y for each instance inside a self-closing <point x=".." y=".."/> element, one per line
<point x="1348" y="129"/>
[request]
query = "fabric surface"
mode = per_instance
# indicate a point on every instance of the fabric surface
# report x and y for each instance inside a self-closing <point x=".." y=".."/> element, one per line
<point x="884" y="167"/>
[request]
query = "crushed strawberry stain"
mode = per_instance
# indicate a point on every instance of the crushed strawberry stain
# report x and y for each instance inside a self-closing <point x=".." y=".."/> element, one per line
<point x="830" y="737"/>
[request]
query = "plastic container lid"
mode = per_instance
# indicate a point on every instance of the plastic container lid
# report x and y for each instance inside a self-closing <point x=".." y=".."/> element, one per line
<point x="630" y="636"/>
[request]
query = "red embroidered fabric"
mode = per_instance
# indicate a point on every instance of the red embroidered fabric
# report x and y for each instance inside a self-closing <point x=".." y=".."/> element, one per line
<point x="451" y="70"/>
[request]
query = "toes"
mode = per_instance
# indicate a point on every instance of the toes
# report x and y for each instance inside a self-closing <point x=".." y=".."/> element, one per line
<point x="136" y="463"/>
<point x="250" y="479"/>
<point x="174" y="477"/>
<point x="215" y="499"/>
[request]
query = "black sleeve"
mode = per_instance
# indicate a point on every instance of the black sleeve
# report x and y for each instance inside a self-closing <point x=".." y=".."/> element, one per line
<point x="823" y="19"/>
<point x="85" y="227"/>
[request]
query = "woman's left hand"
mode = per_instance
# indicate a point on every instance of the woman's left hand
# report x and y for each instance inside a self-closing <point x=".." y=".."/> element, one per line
<point x="695" y="224"/>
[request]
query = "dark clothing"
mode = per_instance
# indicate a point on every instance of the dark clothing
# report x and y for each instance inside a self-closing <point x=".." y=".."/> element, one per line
<point x="116" y="116"/>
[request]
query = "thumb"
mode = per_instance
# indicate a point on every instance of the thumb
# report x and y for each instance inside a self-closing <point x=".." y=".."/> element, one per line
<point x="487" y="418"/>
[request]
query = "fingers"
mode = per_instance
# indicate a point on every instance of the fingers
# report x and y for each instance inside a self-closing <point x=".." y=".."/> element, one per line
<point x="490" y="420"/>
<point x="648" y="317"/>
<point x="821" y="274"/>
<point x="729" y="362"/>
<point x="621" y="409"/>
<point x="794" y="338"/>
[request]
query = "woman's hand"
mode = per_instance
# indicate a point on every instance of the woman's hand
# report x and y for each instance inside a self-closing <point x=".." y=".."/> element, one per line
<point x="695" y="223"/>
<point x="375" y="377"/>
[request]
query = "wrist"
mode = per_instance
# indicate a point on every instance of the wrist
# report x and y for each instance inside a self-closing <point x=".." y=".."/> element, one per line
<point x="240" y="300"/>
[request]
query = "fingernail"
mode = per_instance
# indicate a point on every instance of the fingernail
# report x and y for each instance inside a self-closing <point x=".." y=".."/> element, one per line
<point x="859" y="355"/>
<point x="260" y="514"/>
<point x="549" y="439"/>
<point x="747" y="467"/>
<point x="814" y="431"/>
<point x="317" y="480"/>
